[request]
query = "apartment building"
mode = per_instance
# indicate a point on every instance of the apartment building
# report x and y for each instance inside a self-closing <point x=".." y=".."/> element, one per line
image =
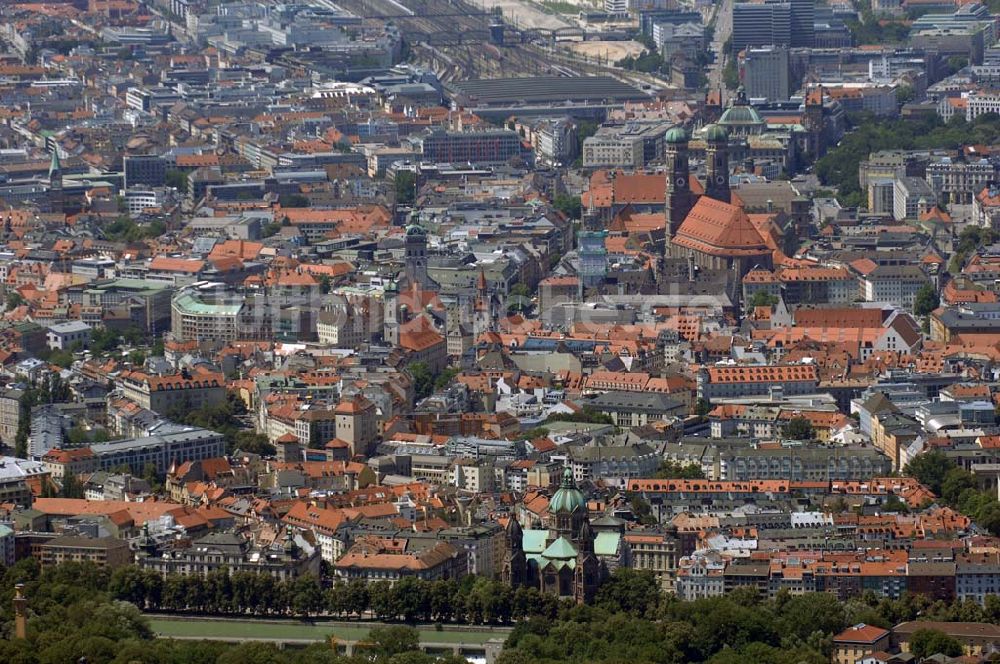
<point x="378" y="559"/>
<point x="232" y="552"/>
<point x="911" y="197"/>
<point x="957" y="180"/>
<point x="17" y="476"/>
<point x="189" y="390"/>
<point x="76" y="461"/>
<point x="634" y="409"/>
<point x="632" y="145"/>
<point x="744" y="381"/>
<point x="357" y="424"/>
<point x="893" y="284"/>
<point x="657" y="553"/>
<point x="205" y="314"/>
<point x="174" y="444"/>
<point x="109" y="552"/>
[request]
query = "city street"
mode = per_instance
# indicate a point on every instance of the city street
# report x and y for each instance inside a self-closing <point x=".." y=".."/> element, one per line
<point x="723" y="29"/>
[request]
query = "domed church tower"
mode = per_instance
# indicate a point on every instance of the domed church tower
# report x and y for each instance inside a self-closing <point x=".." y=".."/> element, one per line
<point x="568" y="507"/>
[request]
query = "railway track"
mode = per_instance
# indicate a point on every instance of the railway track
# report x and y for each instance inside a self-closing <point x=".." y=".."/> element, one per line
<point x="452" y="37"/>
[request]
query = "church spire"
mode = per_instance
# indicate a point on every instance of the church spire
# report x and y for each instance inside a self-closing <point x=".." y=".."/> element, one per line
<point x="717" y="163"/>
<point x="55" y="182"/>
<point x="678" y="198"/>
<point x="55" y="167"/>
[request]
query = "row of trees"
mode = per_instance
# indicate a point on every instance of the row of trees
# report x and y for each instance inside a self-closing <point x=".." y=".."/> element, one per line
<point x="869" y="29"/>
<point x="225" y="418"/>
<point x="957" y="488"/>
<point x="839" y="167"/>
<point x="473" y="600"/>
<point x="77" y="610"/>
<point x="633" y="621"/>
<point x="72" y="616"/>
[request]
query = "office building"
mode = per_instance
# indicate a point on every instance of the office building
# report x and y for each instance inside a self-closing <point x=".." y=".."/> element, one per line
<point x="16" y="478"/>
<point x="175" y="444"/>
<point x="472" y="147"/>
<point x="803" y="23"/>
<point x="760" y="24"/>
<point x="765" y="73"/>
<point x="108" y="552"/>
<point x="145" y="171"/>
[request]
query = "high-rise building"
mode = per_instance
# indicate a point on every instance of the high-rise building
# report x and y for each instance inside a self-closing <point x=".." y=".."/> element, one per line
<point x="756" y="24"/>
<point x="765" y="73"/>
<point x="147" y="170"/>
<point x="780" y="22"/>
<point x="803" y="23"/>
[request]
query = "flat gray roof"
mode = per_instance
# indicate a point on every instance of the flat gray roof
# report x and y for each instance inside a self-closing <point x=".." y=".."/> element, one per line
<point x="543" y="89"/>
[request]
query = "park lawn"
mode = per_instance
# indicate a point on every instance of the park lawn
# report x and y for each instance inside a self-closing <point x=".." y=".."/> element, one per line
<point x="320" y="631"/>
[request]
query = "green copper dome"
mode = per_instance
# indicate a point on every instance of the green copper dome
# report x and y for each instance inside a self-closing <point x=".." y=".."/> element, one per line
<point x="741" y="115"/>
<point x="676" y="135"/>
<point x="714" y="132"/>
<point x="567" y="498"/>
<point x="740" y="112"/>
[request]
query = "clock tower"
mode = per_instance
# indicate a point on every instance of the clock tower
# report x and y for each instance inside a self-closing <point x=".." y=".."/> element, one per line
<point x="678" y="198"/>
<point x="717" y="163"/>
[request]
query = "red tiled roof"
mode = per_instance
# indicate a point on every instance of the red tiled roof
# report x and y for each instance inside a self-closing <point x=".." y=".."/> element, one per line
<point x="720" y="229"/>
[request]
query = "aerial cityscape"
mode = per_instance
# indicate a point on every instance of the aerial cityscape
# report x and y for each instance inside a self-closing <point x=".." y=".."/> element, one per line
<point x="500" y="331"/>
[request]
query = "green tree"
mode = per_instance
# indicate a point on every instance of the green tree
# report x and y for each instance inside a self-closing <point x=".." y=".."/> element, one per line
<point x="905" y="94"/>
<point x="584" y="130"/>
<point x="412" y="599"/>
<point x="62" y="358"/>
<point x="71" y="486"/>
<point x="406" y="188"/>
<point x="956" y="482"/>
<point x="631" y="591"/>
<point x="423" y="379"/>
<point x="306" y="596"/>
<point x="357" y="597"/>
<point x="588" y="415"/>
<point x="762" y="299"/>
<point x="730" y="74"/>
<point x="799" y="428"/>
<point x="927" y="642"/>
<point x="254" y="443"/>
<point x="445" y="378"/>
<point x="520" y="298"/>
<point x="930" y="469"/>
<point x="389" y="641"/>
<point x="926" y="300"/>
<point x="381" y="601"/>
<point x="670" y="470"/>
<point x="178" y="180"/>
<point x="293" y="201"/>
<point x="568" y="205"/>
<point x="14" y="300"/>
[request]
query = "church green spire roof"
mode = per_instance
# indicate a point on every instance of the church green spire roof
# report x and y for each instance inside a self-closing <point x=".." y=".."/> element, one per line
<point x="567" y="498"/>
<point x="561" y="549"/>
